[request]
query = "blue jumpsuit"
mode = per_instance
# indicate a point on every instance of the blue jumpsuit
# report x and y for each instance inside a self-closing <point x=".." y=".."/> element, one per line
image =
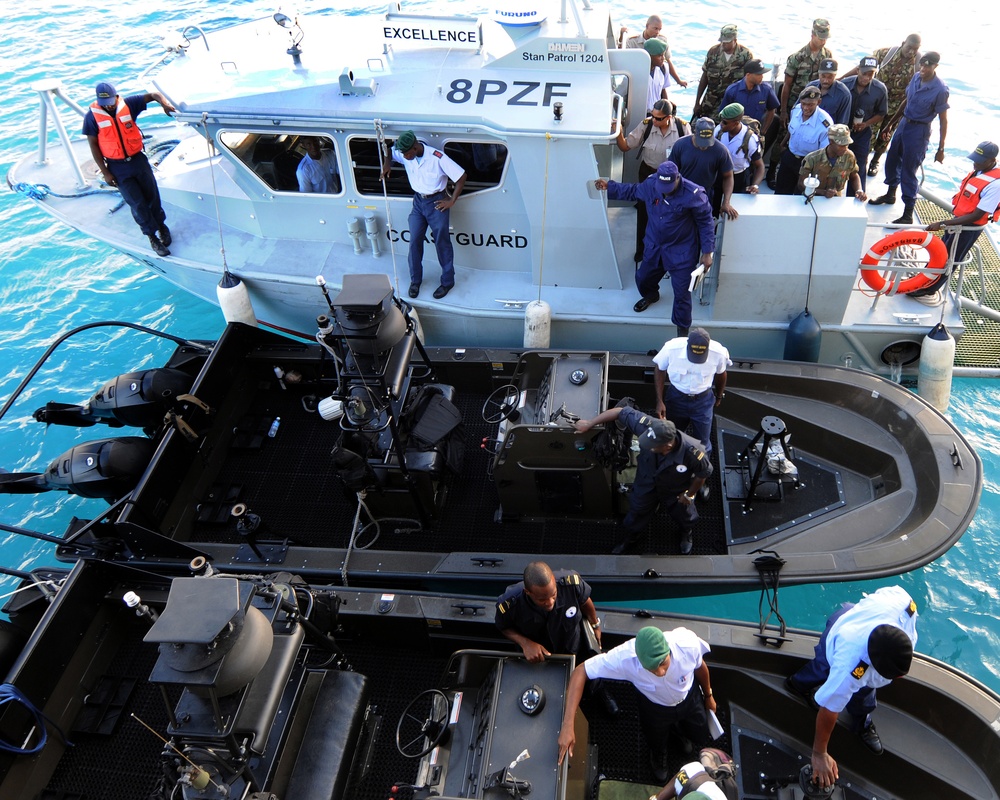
<point x="659" y="479"/>
<point x="924" y="101"/>
<point x="679" y="230"/>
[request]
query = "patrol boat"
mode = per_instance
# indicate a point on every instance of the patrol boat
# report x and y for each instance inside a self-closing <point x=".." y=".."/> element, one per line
<point x="210" y="685"/>
<point x="528" y="99"/>
<point x="373" y="458"/>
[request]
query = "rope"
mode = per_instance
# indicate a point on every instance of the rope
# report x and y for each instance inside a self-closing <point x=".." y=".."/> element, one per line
<point x="545" y="203"/>
<point x="384" y="150"/>
<point x="215" y="194"/>
<point x="39" y="191"/>
<point x="9" y="693"/>
<point x="28" y="587"/>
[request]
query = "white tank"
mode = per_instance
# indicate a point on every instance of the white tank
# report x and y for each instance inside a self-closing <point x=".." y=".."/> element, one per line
<point x="937" y="357"/>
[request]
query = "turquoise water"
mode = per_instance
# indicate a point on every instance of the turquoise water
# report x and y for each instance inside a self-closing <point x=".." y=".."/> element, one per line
<point x="52" y="279"/>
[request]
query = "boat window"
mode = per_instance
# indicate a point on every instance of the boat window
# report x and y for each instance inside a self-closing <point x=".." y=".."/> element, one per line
<point x="275" y="158"/>
<point x="484" y="164"/>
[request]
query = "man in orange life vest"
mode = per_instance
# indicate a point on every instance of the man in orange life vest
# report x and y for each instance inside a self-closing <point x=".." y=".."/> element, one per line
<point x="116" y="144"/>
<point x="976" y="203"/>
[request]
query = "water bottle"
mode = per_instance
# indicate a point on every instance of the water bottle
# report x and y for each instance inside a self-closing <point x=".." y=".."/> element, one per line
<point x="273" y="431"/>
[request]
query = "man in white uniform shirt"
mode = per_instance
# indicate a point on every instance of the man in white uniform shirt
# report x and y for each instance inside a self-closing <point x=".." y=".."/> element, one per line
<point x="690" y="380"/>
<point x="675" y="689"/>
<point x="428" y="171"/>
<point x="864" y="647"/>
<point x="317" y="171"/>
<point x="744" y="147"/>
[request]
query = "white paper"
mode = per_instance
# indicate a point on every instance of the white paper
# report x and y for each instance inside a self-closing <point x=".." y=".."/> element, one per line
<point x="696" y="277"/>
<point x="714" y="726"/>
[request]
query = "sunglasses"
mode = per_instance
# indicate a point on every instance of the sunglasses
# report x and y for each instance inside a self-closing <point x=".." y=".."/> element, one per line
<point x="659" y="119"/>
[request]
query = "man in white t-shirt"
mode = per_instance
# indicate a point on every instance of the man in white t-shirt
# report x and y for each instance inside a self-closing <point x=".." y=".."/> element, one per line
<point x="428" y="171"/>
<point x="675" y="689"/>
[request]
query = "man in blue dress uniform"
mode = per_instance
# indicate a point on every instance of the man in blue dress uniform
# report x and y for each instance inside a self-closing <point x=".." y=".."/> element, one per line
<point x="680" y="227"/>
<point x="869" y="105"/>
<point x="863" y="648"/>
<point x="926" y="97"/>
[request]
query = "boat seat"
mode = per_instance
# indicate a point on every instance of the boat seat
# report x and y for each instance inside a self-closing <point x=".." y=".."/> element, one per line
<point x="285" y="165"/>
<point x="326" y="756"/>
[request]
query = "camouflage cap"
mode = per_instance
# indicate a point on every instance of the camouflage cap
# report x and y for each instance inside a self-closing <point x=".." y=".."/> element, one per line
<point x="732" y="111"/>
<point x="728" y="33"/>
<point x="821" y="27"/>
<point x="840" y="134"/>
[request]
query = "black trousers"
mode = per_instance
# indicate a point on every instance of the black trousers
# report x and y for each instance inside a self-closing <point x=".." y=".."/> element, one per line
<point x="688" y="717"/>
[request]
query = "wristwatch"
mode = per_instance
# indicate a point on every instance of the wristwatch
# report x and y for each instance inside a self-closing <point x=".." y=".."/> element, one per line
<point x="596" y="624"/>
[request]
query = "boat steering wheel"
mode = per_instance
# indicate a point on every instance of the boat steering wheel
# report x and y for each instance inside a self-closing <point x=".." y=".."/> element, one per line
<point x="501" y="404"/>
<point x="423" y="724"/>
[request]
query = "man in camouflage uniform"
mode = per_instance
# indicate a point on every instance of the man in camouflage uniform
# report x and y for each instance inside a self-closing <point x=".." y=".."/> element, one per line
<point x="896" y="68"/>
<point x="723" y="66"/>
<point x="834" y="166"/>
<point x="801" y="67"/>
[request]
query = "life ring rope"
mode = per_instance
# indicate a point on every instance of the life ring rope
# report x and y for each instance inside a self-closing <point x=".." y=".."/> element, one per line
<point x="937" y="255"/>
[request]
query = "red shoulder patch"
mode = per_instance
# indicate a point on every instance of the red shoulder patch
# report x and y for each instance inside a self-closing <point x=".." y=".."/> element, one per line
<point x="438" y="153"/>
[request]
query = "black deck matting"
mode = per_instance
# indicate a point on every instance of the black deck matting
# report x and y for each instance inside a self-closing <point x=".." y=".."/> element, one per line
<point x="296" y="494"/>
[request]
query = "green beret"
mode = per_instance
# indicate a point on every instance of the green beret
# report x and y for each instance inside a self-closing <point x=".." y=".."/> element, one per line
<point x="655" y="47"/>
<point x="732" y="111"/>
<point x="405" y="141"/>
<point x="650" y="647"/>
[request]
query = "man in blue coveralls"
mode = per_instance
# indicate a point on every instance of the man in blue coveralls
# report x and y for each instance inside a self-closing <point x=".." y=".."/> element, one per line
<point x="926" y="96"/>
<point x="680" y="227"/>
<point x="671" y="470"/>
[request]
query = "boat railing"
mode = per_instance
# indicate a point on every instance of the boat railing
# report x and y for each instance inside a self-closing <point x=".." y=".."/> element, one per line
<point x="48" y="92"/>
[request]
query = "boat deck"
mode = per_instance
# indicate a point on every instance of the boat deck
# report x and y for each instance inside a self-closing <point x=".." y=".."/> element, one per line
<point x="270" y="476"/>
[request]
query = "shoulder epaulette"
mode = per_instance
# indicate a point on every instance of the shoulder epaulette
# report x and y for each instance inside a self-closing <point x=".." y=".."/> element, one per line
<point x="859" y="671"/>
<point x="911" y="609"/>
<point x="503" y="607"/>
<point x="573" y="579"/>
<point x="438" y="153"/>
<point x="826" y="123"/>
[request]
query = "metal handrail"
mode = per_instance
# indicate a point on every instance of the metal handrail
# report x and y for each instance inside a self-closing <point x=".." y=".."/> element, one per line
<point x="48" y="92"/>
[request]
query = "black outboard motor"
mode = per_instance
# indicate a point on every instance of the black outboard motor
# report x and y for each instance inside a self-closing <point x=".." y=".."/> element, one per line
<point x="138" y="399"/>
<point x="105" y="468"/>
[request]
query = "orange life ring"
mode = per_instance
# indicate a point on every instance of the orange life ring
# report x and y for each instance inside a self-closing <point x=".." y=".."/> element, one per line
<point x="937" y="257"/>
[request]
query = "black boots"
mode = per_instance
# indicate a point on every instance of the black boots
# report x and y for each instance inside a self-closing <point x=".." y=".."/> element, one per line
<point x="907" y="218"/>
<point x="158" y="247"/>
<point x="888" y="199"/>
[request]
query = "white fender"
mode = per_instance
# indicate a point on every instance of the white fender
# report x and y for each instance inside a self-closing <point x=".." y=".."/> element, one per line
<point x="234" y="300"/>
<point x="937" y="358"/>
<point x="537" y="325"/>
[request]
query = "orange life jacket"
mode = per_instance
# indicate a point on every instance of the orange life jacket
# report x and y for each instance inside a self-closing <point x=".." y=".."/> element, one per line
<point x="966" y="200"/>
<point x="117" y="135"/>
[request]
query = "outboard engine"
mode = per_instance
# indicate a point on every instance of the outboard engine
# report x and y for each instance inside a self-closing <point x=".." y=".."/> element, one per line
<point x="138" y="399"/>
<point x="105" y="468"/>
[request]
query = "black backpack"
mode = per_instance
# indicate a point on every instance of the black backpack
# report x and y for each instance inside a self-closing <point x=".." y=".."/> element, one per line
<point x="753" y="127"/>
